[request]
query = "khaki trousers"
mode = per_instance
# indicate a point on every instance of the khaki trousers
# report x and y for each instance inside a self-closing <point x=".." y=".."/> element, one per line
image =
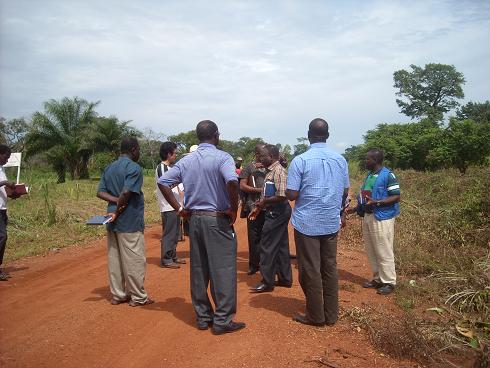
<point x="127" y="265"/>
<point x="378" y="241"/>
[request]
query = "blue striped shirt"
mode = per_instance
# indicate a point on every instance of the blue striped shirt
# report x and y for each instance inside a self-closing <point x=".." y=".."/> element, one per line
<point x="320" y="176"/>
<point x="204" y="174"/>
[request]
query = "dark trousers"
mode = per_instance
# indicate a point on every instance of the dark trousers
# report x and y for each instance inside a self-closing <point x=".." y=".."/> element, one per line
<point x="318" y="277"/>
<point x="274" y="245"/>
<point x="213" y="262"/>
<point x="254" y="230"/>
<point x="3" y="233"/>
<point x="170" y="236"/>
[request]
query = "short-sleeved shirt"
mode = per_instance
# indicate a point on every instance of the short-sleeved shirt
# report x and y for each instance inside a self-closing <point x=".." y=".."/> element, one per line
<point x="278" y="175"/>
<point x="125" y="174"/>
<point x="162" y="202"/>
<point x="204" y="173"/>
<point x="256" y="178"/>
<point x="393" y="187"/>
<point x="320" y="176"/>
<point x="3" y="192"/>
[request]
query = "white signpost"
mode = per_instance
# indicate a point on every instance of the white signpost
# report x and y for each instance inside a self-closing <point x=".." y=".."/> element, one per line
<point x="14" y="160"/>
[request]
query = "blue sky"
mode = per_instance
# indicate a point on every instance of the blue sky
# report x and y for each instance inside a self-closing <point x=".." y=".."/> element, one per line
<point x="257" y="68"/>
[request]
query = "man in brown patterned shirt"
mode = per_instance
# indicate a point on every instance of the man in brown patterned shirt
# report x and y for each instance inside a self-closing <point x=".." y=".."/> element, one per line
<point x="274" y="245"/>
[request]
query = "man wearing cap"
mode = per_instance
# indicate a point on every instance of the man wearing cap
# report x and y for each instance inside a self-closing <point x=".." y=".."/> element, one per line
<point x="318" y="181"/>
<point x="211" y="187"/>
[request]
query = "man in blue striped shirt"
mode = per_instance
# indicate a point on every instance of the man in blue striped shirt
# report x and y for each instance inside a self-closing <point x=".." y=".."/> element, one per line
<point x="318" y="181"/>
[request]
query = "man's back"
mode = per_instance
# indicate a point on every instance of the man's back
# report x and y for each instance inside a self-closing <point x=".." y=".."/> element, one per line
<point x="320" y="176"/>
<point x="204" y="174"/>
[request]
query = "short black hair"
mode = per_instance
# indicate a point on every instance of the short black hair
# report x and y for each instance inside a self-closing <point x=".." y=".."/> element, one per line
<point x="128" y="144"/>
<point x="273" y="150"/>
<point x="167" y="148"/>
<point x="206" y="130"/>
<point x="377" y="154"/>
<point x="4" y="149"/>
<point x="318" y="129"/>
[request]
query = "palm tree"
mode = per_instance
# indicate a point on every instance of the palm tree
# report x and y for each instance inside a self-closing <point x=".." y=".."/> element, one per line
<point x="60" y="131"/>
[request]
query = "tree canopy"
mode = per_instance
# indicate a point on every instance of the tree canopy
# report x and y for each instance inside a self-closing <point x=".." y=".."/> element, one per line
<point x="430" y="91"/>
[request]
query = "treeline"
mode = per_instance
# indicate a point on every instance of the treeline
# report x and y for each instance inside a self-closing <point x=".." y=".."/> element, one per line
<point x="429" y="143"/>
<point x="70" y="137"/>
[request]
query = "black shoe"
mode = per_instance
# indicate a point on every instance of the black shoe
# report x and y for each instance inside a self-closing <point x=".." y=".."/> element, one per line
<point x="261" y="288"/>
<point x="386" y="289"/>
<point x="301" y="318"/>
<point x="283" y="284"/>
<point x="204" y="325"/>
<point x="252" y="271"/>
<point x="229" y="328"/>
<point x="373" y="284"/>
<point x="170" y="265"/>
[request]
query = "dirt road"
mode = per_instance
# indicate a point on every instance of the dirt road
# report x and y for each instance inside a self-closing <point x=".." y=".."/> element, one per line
<point x="55" y="312"/>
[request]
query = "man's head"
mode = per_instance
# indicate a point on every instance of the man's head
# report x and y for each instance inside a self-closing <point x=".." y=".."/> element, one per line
<point x="318" y="131"/>
<point x="268" y="154"/>
<point x="207" y="132"/>
<point x="374" y="159"/>
<point x="130" y="147"/>
<point x="5" y="152"/>
<point x="168" y="152"/>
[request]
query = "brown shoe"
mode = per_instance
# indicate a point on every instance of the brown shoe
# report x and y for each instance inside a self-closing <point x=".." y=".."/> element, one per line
<point x="132" y="303"/>
<point x="119" y="301"/>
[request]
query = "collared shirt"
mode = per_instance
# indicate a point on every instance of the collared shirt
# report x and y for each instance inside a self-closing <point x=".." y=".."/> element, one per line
<point x="320" y="176"/>
<point x="125" y="174"/>
<point x="3" y="192"/>
<point x="277" y="174"/>
<point x="162" y="202"/>
<point x="204" y="173"/>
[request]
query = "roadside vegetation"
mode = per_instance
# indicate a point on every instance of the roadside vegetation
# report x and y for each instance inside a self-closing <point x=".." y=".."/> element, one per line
<point x="442" y="251"/>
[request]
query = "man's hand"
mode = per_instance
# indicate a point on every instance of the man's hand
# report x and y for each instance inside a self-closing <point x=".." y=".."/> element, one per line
<point x="232" y="215"/>
<point x="113" y="217"/>
<point x="343" y="221"/>
<point x="185" y="213"/>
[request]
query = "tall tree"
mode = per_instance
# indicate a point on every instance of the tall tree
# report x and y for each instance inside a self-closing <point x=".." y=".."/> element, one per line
<point x="430" y="91"/>
<point x="59" y="132"/>
<point x="13" y="133"/>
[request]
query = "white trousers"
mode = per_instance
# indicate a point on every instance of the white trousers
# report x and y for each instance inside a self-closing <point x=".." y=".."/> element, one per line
<point x="378" y="241"/>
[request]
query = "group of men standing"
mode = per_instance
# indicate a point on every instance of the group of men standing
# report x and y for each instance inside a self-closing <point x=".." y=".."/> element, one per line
<point x="318" y="183"/>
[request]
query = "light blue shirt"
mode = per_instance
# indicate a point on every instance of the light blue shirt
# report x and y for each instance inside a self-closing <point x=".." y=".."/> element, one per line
<point x="320" y="176"/>
<point x="204" y="173"/>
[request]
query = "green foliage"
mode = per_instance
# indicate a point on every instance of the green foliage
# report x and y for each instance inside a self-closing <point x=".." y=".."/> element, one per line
<point x="99" y="161"/>
<point x="13" y="133"/>
<point x="479" y="112"/>
<point x="430" y="91"/>
<point x="184" y="141"/>
<point x="59" y="132"/>
<point x="301" y="147"/>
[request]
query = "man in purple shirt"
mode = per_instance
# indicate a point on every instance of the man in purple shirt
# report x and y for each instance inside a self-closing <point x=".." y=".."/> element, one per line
<point x="211" y="202"/>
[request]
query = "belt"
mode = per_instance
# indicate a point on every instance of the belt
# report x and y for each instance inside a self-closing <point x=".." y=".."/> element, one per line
<point x="208" y="213"/>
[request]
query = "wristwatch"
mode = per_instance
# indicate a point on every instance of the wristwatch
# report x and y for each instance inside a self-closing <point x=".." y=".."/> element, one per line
<point x="378" y="203"/>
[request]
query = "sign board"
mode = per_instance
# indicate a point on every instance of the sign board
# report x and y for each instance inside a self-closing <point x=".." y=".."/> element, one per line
<point x="14" y="160"/>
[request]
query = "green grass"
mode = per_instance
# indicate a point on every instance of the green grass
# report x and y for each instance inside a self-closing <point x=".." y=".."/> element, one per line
<point x="442" y="254"/>
<point x="53" y="215"/>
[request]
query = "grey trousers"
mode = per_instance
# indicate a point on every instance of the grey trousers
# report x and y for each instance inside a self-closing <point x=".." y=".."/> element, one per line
<point x="213" y="262"/>
<point x="170" y="236"/>
<point x="318" y="276"/>
<point x="254" y="232"/>
<point x="3" y="233"/>
<point x="274" y="246"/>
<point x="127" y="265"/>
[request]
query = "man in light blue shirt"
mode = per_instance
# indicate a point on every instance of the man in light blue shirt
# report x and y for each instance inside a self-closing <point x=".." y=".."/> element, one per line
<point x="318" y="181"/>
<point x="211" y="201"/>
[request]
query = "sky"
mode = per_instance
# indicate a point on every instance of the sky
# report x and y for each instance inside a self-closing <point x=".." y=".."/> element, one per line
<point x="256" y="68"/>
